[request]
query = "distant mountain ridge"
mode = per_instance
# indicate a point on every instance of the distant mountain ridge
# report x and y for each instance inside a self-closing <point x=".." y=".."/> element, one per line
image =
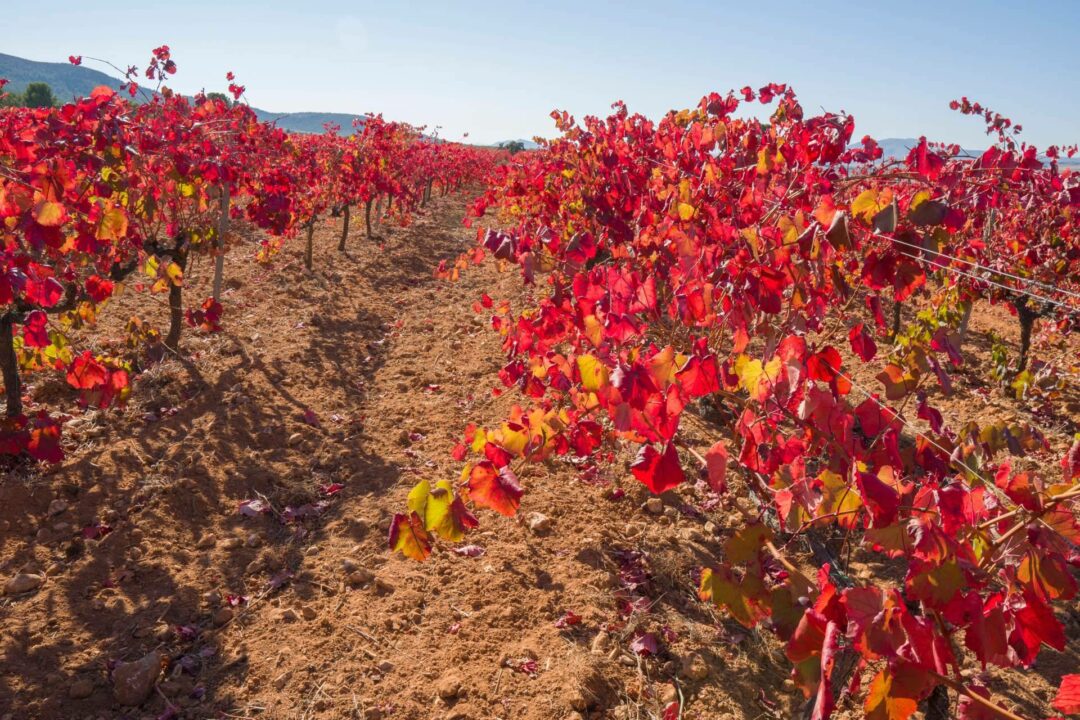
<point x="71" y="81"/>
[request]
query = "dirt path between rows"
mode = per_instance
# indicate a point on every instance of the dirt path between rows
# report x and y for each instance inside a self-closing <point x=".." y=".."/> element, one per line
<point x="361" y="374"/>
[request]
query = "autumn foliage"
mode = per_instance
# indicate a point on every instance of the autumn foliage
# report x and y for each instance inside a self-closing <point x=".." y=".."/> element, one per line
<point x="131" y="185"/>
<point x="711" y="264"/>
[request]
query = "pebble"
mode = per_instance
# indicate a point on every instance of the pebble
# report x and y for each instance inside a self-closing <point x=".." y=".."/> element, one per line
<point x="253" y="540"/>
<point x="349" y="565"/>
<point x="308" y="612"/>
<point x="23" y="583"/>
<point x="206" y="542"/>
<point x="539" y="523"/>
<point x="289" y="615"/>
<point x="81" y="688"/>
<point x="223" y="616"/>
<point x="449" y="687"/>
<point x="134" y="681"/>
<point x="668" y="694"/>
<point x="232" y="543"/>
<point x="386" y="666"/>
<point x="653" y="506"/>
<point x="57" y="506"/>
<point x="695" y="667"/>
<point x="295" y="439"/>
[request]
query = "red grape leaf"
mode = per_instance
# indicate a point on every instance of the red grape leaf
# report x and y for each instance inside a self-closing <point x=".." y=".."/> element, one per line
<point x="658" y="472"/>
<point x="1067" y="699"/>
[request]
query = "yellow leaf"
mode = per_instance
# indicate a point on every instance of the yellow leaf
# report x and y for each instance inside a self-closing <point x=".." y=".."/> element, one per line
<point x="765" y="161"/>
<point x="593" y="329"/>
<point x="686" y="211"/>
<point x="437" y="515"/>
<point x="113" y="225"/>
<point x="49" y="213"/>
<point x="175" y="274"/>
<point x="869" y="203"/>
<point x="839" y="498"/>
<point x="755" y="377"/>
<point x="418" y="497"/>
<point x="594" y="374"/>
<point x="662" y="367"/>
<point x="513" y="441"/>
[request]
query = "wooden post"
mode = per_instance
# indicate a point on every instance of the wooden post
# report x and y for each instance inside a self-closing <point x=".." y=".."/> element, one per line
<point x="222" y="228"/>
<point x="310" y="239"/>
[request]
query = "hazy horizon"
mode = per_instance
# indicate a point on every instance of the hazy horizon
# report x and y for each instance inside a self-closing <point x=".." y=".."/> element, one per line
<point x="496" y="70"/>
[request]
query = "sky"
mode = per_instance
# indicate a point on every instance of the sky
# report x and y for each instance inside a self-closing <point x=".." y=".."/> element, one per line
<point x="496" y="69"/>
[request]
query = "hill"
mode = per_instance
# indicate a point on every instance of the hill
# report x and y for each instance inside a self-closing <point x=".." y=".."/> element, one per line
<point x="66" y="80"/>
<point x="70" y="81"/>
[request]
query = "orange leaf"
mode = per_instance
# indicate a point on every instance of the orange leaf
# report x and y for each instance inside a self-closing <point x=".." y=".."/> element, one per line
<point x="495" y="489"/>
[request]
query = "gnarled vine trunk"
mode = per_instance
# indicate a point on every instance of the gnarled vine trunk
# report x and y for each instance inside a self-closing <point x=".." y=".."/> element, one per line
<point x="367" y="217"/>
<point x="1027" y="322"/>
<point x="176" y="296"/>
<point x="10" y="366"/>
<point x="344" y="229"/>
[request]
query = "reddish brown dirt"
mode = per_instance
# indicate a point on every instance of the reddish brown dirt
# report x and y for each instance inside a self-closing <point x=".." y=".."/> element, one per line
<point x="392" y="363"/>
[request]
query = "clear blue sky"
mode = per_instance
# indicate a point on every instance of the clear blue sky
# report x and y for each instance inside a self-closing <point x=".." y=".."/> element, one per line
<point x="495" y="69"/>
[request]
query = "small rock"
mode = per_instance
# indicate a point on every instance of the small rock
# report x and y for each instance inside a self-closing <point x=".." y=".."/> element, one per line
<point x="695" y="667"/>
<point x="206" y="542"/>
<point x="654" y="506"/>
<point x="57" y="506"/>
<point x="308" y="612"/>
<point x="164" y="633"/>
<point x="223" y="616"/>
<point x="289" y="615"/>
<point x="23" y="583"/>
<point x="81" y="688"/>
<point x="134" y="681"/>
<point x="349" y="565"/>
<point x="281" y="681"/>
<point x="295" y="439"/>
<point x="710" y="528"/>
<point x="461" y="711"/>
<point x="253" y="540"/>
<point x="449" y="687"/>
<point x="232" y="543"/>
<point x="360" y="577"/>
<point x="539" y="523"/>
<point x="386" y="666"/>
<point x="668" y="694"/>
